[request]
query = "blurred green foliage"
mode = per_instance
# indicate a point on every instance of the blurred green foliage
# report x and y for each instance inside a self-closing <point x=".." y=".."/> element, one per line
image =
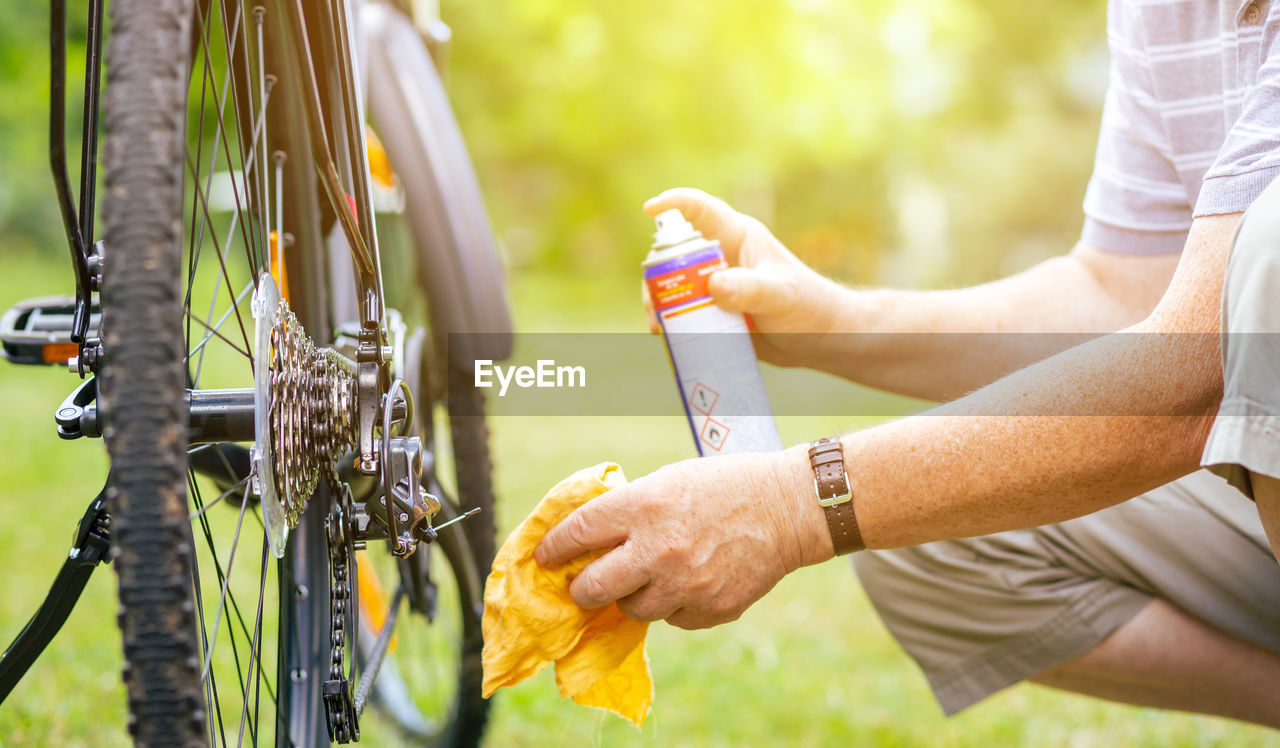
<point x="28" y="208"/>
<point x="835" y="121"/>
<point x="908" y="142"/>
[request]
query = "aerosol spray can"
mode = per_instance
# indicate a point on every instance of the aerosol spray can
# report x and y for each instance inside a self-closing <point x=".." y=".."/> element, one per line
<point x="710" y="349"/>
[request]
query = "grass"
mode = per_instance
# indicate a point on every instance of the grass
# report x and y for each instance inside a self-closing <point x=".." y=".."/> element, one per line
<point x="808" y="665"/>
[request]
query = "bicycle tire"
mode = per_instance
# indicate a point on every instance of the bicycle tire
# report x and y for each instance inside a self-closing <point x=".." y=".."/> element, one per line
<point x="143" y="379"/>
<point x="475" y="489"/>
<point x="474" y="464"/>
<point x="143" y="383"/>
<point x="473" y="468"/>
<point x="466" y="717"/>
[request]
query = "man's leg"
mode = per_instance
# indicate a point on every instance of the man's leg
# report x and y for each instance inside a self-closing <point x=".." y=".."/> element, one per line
<point x="1166" y="658"/>
<point x="980" y="614"/>
<point x="1266" y="492"/>
<point x="1244" y="445"/>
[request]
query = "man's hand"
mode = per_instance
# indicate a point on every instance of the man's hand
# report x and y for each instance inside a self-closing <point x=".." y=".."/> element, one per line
<point x="697" y="542"/>
<point x="765" y="280"/>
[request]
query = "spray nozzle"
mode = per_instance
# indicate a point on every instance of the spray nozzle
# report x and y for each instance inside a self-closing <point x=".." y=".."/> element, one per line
<point x="673" y="229"/>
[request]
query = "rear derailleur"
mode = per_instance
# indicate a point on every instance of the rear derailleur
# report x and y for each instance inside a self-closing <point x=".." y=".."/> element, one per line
<point x="396" y="509"/>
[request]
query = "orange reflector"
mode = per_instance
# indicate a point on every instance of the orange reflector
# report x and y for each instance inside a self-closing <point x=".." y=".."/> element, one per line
<point x="379" y="163"/>
<point x="275" y="256"/>
<point x="373" y="599"/>
<point x="58" y="353"/>
<point x="351" y="203"/>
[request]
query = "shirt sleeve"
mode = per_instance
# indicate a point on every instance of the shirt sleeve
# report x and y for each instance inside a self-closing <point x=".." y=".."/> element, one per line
<point x="1250" y="156"/>
<point x="1135" y="202"/>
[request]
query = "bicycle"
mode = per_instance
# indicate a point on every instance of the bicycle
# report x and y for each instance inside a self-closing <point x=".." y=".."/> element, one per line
<point x="237" y="298"/>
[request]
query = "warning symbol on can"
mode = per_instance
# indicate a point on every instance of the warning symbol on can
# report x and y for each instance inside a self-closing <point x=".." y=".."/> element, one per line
<point x="703" y="398"/>
<point x="714" y="434"/>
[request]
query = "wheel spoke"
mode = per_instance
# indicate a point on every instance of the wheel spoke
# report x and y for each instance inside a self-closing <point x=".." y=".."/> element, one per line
<point x="250" y="160"/>
<point x="211" y="683"/>
<point x="379" y="649"/>
<point x="205" y="83"/>
<point x="240" y="484"/>
<point x="261" y="169"/>
<point x="253" y="653"/>
<point x="204" y="641"/>
<point x="226" y="584"/>
<point x="244" y="631"/>
<point x="234" y="41"/>
<point x="231" y="601"/>
<point x="192" y="241"/>
<point x="222" y="260"/>
<point x="244" y="292"/>
<point x="242" y="351"/>
<point x="198" y="196"/>
<point x="213" y="305"/>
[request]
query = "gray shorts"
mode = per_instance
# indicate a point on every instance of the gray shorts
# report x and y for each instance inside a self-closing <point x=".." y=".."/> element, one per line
<point x="1246" y="434"/>
<point x="983" y="613"/>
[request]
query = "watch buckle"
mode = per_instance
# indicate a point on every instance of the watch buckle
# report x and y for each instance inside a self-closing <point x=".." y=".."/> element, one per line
<point x="836" y="500"/>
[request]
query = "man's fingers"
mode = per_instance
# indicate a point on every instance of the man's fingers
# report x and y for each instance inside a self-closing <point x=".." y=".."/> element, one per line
<point x="615" y="574"/>
<point x="654" y="327"/>
<point x="710" y="215"/>
<point x="690" y="620"/>
<point x="647" y="604"/>
<point x="596" y="524"/>
<point x="739" y="289"/>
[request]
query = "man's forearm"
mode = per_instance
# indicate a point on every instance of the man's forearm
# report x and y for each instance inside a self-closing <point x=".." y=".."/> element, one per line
<point x="1085" y="429"/>
<point x="967" y="472"/>
<point x="940" y="345"/>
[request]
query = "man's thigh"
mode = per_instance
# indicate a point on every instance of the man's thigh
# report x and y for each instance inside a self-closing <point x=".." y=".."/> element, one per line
<point x="983" y="613"/>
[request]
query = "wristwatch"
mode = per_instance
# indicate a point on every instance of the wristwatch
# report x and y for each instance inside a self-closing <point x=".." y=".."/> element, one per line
<point x="835" y="496"/>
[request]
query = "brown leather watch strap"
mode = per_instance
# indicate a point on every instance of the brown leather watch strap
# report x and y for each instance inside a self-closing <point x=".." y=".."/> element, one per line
<point x="835" y="495"/>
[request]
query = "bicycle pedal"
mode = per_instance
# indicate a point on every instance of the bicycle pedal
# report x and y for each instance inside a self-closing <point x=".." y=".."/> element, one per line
<point x="38" y="331"/>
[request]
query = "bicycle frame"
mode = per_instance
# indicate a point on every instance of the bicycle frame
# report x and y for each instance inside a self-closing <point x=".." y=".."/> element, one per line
<point x="79" y="229"/>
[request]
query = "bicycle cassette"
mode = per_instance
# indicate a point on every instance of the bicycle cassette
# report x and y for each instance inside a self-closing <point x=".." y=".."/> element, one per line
<point x="304" y="413"/>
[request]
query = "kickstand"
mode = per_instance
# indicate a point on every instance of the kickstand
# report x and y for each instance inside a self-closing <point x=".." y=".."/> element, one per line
<point x="92" y="541"/>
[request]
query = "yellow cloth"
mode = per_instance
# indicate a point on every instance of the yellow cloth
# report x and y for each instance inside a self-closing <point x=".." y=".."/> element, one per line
<point x="530" y="620"/>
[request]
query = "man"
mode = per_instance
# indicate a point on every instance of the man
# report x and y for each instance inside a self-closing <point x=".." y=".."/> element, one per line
<point x="1171" y="599"/>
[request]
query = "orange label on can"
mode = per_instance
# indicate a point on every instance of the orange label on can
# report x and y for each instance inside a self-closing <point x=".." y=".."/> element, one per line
<point x="683" y="285"/>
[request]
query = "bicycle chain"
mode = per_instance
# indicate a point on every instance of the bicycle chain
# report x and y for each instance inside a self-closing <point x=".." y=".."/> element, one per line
<point x="340" y="711"/>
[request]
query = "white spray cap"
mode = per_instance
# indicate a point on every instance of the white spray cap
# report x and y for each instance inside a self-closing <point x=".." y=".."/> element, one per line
<point x="673" y="229"/>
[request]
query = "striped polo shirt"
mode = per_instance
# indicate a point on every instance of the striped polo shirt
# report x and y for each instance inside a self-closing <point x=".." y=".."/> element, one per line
<point x="1191" y="123"/>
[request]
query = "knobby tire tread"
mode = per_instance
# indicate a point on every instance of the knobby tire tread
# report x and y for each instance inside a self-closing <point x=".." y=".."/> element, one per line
<point x="143" y="378"/>
<point x="474" y="471"/>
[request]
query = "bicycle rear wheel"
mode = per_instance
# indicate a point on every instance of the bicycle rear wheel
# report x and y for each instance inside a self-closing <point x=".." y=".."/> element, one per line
<point x="207" y="170"/>
<point x="211" y="176"/>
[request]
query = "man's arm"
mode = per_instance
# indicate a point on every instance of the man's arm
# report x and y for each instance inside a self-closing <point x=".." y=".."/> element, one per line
<point x="931" y="477"/>
<point x="937" y="345"/>
<point x="699" y="541"/>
